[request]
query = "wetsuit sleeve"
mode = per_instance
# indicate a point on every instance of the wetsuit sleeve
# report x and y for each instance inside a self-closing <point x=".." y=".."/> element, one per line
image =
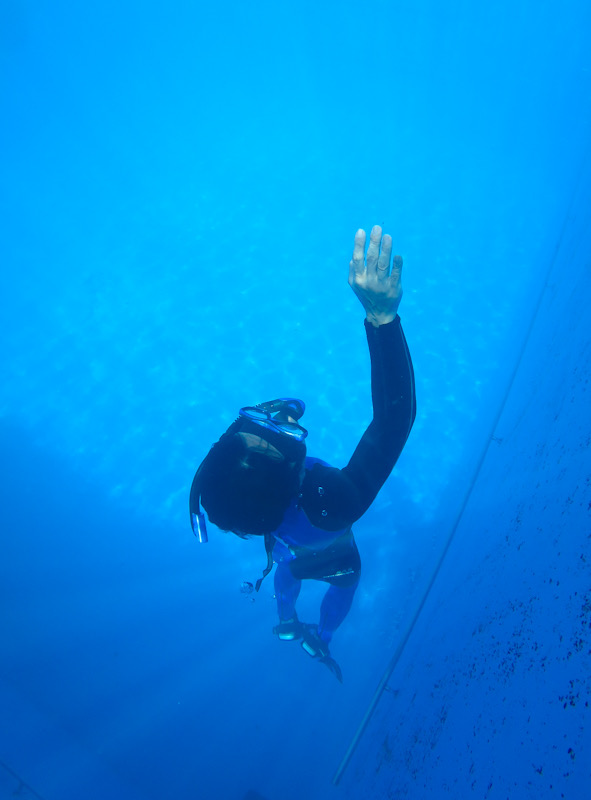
<point x="333" y="498"/>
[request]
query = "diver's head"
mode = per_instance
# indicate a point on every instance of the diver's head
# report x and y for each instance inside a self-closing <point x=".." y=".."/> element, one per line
<point x="251" y="475"/>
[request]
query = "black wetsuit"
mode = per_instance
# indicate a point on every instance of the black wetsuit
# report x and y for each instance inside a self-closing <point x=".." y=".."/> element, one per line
<point x="315" y="539"/>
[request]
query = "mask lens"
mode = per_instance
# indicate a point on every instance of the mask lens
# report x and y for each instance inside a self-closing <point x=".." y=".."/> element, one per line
<point x="263" y="417"/>
<point x="291" y="429"/>
<point x="255" y="414"/>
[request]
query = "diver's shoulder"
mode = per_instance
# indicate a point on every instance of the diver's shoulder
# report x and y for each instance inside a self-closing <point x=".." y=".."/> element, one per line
<point x="311" y="461"/>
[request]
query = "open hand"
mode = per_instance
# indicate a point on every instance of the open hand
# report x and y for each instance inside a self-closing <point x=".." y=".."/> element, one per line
<point x="378" y="288"/>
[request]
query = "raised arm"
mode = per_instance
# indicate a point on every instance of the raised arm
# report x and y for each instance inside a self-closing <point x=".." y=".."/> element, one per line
<point x="394" y="411"/>
<point x="334" y="498"/>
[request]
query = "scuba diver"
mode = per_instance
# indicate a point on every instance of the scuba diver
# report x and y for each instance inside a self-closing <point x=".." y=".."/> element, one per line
<point x="258" y="481"/>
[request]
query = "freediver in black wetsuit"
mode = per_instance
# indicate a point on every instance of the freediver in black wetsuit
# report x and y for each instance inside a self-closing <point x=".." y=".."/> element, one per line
<point x="257" y="479"/>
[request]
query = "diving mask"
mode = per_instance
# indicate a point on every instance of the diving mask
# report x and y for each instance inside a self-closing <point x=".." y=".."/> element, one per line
<point x="279" y="418"/>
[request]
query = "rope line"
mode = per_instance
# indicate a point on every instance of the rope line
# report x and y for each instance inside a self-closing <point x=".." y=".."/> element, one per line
<point x="409" y="629"/>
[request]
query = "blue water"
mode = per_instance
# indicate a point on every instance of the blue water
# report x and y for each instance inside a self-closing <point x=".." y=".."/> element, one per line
<point x="180" y="185"/>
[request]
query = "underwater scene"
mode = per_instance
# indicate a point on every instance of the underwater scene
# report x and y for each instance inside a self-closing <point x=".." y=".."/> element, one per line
<point x="183" y="187"/>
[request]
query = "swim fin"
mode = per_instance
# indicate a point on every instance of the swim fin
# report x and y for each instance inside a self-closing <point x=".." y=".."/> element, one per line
<point x="318" y="648"/>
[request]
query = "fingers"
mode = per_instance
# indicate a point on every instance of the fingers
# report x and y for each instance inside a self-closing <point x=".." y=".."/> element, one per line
<point x="378" y="256"/>
<point x="384" y="257"/>
<point x="357" y="265"/>
<point x="373" y="251"/>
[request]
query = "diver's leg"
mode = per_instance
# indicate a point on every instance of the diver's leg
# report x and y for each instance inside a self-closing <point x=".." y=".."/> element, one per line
<point x="287" y="590"/>
<point x="336" y="604"/>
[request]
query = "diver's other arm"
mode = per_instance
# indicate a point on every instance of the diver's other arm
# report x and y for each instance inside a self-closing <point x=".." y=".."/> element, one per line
<point x="378" y="289"/>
